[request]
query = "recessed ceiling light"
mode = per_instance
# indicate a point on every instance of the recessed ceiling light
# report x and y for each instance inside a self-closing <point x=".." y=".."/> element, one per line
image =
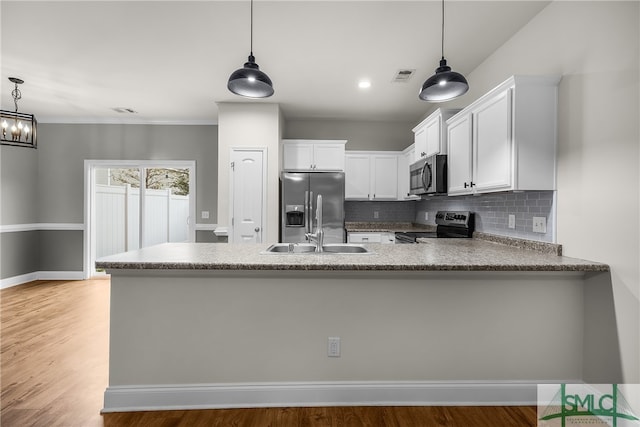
<point x="364" y="84"/>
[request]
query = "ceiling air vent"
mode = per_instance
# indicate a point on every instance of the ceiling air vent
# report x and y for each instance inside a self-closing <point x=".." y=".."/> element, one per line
<point x="403" y="75"/>
<point x="124" y="110"/>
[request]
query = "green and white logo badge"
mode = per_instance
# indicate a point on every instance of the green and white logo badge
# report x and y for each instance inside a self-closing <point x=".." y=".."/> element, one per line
<point x="587" y="405"/>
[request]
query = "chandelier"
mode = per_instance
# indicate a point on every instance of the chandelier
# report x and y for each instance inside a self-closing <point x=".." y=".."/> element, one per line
<point x="17" y="128"/>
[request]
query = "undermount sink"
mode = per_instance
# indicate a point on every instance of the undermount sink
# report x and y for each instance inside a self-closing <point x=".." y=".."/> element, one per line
<point x="292" y="248"/>
<point x="344" y="248"/>
<point x="307" y="248"/>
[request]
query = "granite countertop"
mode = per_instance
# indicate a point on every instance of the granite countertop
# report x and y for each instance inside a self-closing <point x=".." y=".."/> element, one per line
<point x="386" y="226"/>
<point x="432" y="255"/>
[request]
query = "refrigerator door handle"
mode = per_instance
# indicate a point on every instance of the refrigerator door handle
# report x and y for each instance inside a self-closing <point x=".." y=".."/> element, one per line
<point x="306" y="211"/>
<point x="310" y="211"/>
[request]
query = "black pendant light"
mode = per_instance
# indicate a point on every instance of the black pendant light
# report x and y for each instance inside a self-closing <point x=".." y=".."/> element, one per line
<point x="249" y="81"/>
<point x="444" y="84"/>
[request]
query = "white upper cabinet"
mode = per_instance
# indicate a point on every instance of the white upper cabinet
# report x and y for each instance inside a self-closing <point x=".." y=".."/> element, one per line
<point x="384" y="176"/>
<point x="371" y="175"/>
<point x="405" y="159"/>
<point x="459" y="158"/>
<point x="313" y="155"/>
<point x="430" y="136"/>
<point x="357" y="173"/>
<point x="506" y="140"/>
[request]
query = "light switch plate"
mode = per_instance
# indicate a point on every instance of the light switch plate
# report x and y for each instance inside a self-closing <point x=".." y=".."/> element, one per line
<point x="512" y="221"/>
<point x="205" y="214"/>
<point x="333" y="347"/>
<point x="539" y="224"/>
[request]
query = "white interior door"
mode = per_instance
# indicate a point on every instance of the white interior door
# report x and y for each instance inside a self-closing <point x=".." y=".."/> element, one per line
<point x="247" y="195"/>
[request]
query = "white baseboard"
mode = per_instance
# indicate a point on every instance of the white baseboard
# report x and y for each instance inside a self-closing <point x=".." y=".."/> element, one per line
<point x="40" y="275"/>
<point x="216" y="396"/>
<point x="18" y="280"/>
<point x="11" y="228"/>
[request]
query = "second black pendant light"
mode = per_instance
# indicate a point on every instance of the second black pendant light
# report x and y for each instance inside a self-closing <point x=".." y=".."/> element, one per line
<point x="249" y="81"/>
<point x="444" y="84"/>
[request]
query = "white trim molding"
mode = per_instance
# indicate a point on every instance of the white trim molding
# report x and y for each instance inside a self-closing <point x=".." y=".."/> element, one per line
<point x="126" y="121"/>
<point x="40" y="275"/>
<point x="298" y="394"/>
<point x="221" y="231"/>
<point x="10" y="228"/>
<point x="206" y="227"/>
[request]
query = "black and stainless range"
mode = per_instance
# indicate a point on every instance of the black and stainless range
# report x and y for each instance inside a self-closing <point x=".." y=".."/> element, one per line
<point x="450" y="224"/>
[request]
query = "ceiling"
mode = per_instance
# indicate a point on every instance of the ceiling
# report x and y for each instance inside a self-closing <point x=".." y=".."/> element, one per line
<point x="170" y="60"/>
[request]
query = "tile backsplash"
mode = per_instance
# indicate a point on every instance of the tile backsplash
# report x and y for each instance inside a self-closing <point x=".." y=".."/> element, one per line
<point x="386" y="211"/>
<point x="491" y="212"/>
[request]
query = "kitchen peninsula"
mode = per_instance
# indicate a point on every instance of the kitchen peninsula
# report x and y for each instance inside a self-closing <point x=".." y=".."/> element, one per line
<point x="443" y="322"/>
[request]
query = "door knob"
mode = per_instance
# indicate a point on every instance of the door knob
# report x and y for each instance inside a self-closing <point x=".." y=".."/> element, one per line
<point x="257" y="229"/>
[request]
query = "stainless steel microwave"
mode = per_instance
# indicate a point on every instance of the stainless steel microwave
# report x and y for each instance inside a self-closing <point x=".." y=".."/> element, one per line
<point x="428" y="175"/>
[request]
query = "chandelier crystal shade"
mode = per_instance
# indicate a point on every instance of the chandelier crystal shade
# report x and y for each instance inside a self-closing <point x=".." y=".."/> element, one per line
<point x="17" y="128"/>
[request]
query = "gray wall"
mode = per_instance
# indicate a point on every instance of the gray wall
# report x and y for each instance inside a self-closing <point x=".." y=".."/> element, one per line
<point x="588" y="43"/>
<point x="20" y="253"/>
<point x="360" y="135"/>
<point x="47" y="185"/>
<point x="64" y="147"/>
<point x="19" y="185"/>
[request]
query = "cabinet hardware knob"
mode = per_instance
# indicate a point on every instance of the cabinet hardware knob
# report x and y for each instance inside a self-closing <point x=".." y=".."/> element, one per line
<point x="472" y="184"/>
<point x="257" y="229"/>
<point x="466" y="185"/>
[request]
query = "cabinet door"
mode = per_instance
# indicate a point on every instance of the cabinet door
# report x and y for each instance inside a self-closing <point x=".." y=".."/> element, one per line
<point x="388" y="238"/>
<point x="420" y="141"/>
<point x="459" y="158"/>
<point x="297" y="156"/>
<point x="356" y="176"/>
<point x="492" y="167"/>
<point x="404" y="160"/>
<point x="358" y="237"/>
<point x="328" y="157"/>
<point x="384" y="176"/>
<point x="433" y="134"/>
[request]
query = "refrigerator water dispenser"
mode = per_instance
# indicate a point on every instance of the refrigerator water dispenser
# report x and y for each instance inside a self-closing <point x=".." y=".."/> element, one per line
<point x="295" y="215"/>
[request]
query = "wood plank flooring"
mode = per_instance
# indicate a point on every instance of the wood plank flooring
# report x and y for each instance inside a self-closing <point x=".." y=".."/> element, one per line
<point x="54" y="370"/>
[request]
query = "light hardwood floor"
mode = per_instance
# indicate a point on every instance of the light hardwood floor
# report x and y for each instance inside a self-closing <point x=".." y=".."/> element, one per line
<point x="54" y="370"/>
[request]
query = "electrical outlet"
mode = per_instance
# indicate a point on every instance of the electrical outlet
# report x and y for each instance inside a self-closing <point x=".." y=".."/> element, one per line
<point x="539" y="224"/>
<point x="376" y="214"/>
<point x="512" y="221"/>
<point x="205" y="214"/>
<point x="333" y="347"/>
<point x="426" y="216"/>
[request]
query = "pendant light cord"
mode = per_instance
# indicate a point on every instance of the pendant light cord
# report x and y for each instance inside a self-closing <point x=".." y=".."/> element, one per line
<point x="442" y="38"/>
<point x="251" y="32"/>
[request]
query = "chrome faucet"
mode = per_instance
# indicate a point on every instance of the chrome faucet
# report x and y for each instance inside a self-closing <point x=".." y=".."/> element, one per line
<point x="318" y="236"/>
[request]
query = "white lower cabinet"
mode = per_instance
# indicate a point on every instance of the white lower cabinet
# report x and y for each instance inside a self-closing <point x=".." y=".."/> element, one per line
<point x="506" y="140"/>
<point x="371" y="175"/>
<point x="373" y="237"/>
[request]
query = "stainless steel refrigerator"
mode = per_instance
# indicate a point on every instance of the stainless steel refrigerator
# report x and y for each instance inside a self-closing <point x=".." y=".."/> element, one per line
<point x="298" y="197"/>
